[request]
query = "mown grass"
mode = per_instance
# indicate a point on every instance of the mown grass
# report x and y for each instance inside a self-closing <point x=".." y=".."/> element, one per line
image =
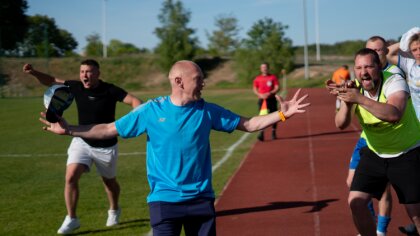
<point x="32" y="163"/>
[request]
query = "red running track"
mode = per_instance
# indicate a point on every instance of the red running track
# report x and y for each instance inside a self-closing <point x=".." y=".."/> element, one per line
<point x="295" y="185"/>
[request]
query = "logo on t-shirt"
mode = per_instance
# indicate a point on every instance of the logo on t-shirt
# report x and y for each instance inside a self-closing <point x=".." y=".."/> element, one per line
<point x="162" y="119"/>
<point x="269" y="83"/>
<point x="91" y="98"/>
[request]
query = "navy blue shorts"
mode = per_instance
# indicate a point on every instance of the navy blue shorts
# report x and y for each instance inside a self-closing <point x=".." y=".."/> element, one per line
<point x="198" y="217"/>
<point x="403" y="172"/>
<point x="355" y="157"/>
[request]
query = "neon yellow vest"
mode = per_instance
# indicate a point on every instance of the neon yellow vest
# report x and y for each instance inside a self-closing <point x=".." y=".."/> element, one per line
<point x="389" y="138"/>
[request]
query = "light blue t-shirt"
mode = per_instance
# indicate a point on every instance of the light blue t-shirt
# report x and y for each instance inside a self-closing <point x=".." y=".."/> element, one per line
<point x="178" y="145"/>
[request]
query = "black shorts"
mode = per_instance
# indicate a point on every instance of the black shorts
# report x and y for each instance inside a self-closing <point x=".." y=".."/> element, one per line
<point x="403" y="172"/>
<point x="271" y="104"/>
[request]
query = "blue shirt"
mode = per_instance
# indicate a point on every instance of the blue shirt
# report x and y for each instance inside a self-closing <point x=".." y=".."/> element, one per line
<point x="178" y="145"/>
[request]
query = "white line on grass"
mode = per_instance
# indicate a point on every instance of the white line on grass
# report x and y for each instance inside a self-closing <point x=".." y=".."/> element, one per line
<point x="64" y="154"/>
<point x="227" y="155"/>
<point x="229" y="152"/>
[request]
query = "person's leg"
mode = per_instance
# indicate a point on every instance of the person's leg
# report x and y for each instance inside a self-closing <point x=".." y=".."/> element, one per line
<point x="78" y="162"/>
<point x="71" y="196"/>
<point x="112" y="189"/>
<point x="166" y="218"/>
<point x="201" y="218"/>
<point x="370" y="180"/>
<point x="272" y="107"/>
<point x="362" y="217"/>
<point x="413" y="211"/>
<point x="384" y="211"/>
<point x="105" y="160"/>
<point x="71" y="190"/>
<point x="261" y="134"/>
<point x="405" y="178"/>
<point x="350" y="176"/>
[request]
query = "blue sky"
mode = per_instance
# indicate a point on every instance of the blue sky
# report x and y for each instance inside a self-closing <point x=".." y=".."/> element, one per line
<point x="134" y="21"/>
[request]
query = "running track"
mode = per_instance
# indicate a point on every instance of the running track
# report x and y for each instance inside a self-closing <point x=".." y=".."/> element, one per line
<point x="295" y="185"/>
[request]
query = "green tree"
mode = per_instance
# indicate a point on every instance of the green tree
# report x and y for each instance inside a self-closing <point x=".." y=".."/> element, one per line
<point x="13" y="23"/>
<point x="94" y="45"/>
<point x="266" y="42"/>
<point x="176" y="39"/>
<point x="44" y="38"/>
<point x="118" y="48"/>
<point x="224" y="40"/>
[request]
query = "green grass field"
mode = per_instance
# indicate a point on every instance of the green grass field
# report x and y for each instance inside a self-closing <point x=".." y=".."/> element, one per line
<point x="32" y="165"/>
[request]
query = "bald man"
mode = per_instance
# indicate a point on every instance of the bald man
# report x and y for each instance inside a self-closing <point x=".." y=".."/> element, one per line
<point x="178" y="148"/>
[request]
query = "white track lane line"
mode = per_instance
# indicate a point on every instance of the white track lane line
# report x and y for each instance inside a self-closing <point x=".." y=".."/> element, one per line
<point x="317" y="230"/>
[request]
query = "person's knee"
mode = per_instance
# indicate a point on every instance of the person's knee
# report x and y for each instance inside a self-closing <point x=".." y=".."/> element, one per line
<point x="357" y="202"/>
<point x="111" y="184"/>
<point x="413" y="211"/>
<point x="73" y="173"/>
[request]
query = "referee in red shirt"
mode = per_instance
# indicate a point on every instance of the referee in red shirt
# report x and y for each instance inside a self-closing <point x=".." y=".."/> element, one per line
<point x="265" y="86"/>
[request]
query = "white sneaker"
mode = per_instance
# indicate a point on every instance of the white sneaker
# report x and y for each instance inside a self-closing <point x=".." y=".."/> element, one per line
<point x="113" y="217"/>
<point x="69" y="225"/>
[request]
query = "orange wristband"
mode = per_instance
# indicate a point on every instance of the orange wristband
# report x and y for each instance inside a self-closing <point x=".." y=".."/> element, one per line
<point x="282" y="117"/>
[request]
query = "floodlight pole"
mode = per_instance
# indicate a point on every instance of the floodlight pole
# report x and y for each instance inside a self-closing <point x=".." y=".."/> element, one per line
<point x="305" y="48"/>
<point x="46" y="43"/>
<point x="104" y="47"/>
<point x="318" y="49"/>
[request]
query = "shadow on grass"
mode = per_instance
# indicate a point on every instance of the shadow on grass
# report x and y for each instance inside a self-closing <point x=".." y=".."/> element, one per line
<point x="122" y="225"/>
<point x="316" y="206"/>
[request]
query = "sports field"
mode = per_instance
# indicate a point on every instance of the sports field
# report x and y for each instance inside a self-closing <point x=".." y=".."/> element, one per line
<point x="294" y="185"/>
<point x="32" y="166"/>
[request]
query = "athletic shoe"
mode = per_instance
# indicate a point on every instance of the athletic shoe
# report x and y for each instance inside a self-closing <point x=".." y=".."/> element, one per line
<point x="69" y="225"/>
<point x="380" y="233"/>
<point x="113" y="217"/>
<point x="409" y="229"/>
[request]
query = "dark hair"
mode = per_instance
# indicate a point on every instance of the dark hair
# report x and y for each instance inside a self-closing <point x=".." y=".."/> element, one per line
<point x="345" y="66"/>
<point x="375" y="38"/>
<point x="368" y="51"/>
<point x="414" y="38"/>
<point x="90" y="62"/>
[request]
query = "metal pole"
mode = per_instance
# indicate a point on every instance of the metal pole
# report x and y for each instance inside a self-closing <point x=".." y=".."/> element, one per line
<point x="318" y="49"/>
<point x="306" y="41"/>
<point x="104" y="48"/>
<point x="46" y="43"/>
<point x="284" y="89"/>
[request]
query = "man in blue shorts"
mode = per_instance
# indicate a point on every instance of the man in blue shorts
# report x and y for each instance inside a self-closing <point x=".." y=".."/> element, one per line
<point x="178" y="149"/>
<point x="386" y="114"/>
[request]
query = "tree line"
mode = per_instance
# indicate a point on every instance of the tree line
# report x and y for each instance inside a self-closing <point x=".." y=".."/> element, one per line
<point x="38" y="36"/>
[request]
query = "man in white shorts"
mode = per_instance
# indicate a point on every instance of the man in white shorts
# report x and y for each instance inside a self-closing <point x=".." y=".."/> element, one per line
<point x="96" y="103"/>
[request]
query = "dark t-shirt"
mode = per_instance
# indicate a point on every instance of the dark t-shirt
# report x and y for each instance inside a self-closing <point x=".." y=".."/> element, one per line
<point x="96" y="106"/>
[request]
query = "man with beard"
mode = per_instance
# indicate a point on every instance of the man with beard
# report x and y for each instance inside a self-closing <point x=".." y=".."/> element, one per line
<point x="386" y="114"/>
